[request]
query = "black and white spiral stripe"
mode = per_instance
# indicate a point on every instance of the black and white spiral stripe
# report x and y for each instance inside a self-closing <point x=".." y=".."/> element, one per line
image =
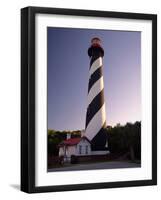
<point x="96" y="116"/>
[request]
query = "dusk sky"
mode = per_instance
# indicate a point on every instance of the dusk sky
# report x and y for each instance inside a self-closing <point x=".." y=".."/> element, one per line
<point x="68" y="75"/>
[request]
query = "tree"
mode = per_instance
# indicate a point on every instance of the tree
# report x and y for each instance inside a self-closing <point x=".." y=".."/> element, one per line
<point x="125" y="139"/>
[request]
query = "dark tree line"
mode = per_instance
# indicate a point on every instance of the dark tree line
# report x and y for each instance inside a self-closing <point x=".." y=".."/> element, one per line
<point x="121" y="140"/>
<point x="125" y="139"/>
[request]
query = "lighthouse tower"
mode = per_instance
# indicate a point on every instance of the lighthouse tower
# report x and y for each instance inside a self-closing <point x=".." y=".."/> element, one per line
<point x="96" y="115"/>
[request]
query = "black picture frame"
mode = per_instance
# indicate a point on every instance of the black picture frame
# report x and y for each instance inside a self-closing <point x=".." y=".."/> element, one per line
<point x="28" y="98"/>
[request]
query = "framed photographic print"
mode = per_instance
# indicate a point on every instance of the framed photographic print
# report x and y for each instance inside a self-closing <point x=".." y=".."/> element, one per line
<point x="88" y="99"/>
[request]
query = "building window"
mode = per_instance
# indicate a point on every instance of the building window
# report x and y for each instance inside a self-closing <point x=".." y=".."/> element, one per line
<point x="80" y="149"/>
<point x="86" y="149"/>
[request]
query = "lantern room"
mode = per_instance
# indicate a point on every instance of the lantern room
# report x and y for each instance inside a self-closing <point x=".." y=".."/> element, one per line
<point x="96" y="41"/>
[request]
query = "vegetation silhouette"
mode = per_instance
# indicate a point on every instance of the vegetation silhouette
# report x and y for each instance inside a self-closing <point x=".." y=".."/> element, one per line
<point x="123" y="141"/>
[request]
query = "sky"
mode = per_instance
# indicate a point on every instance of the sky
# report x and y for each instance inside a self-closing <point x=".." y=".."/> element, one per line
<point x="68" y="75"/>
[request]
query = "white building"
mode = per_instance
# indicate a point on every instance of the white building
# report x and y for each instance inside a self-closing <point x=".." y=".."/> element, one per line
<point x="77" y="147"/>
<point x="74" y="146"/>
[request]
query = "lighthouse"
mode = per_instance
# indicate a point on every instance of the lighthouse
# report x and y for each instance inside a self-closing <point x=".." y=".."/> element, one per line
<point x="96" y="114"/>
<point x="93" y="141"/>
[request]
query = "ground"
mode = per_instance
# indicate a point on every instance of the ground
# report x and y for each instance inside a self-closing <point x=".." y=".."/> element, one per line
<point x="100" y="165"/>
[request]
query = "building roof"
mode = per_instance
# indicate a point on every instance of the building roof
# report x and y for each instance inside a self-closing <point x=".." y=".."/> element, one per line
<point x="72" y="141"/>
